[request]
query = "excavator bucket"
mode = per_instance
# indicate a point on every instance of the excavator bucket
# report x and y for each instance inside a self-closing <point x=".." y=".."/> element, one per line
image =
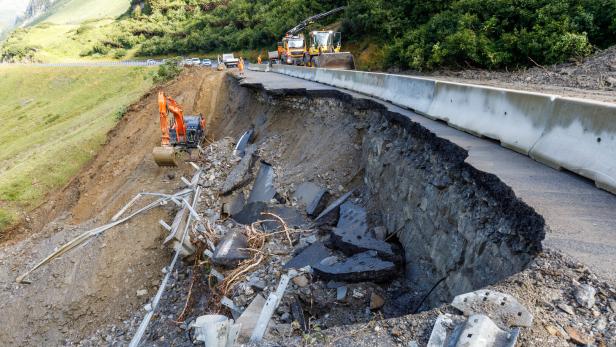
<point x="164" y="156"/>
<point x="341" y="60"/>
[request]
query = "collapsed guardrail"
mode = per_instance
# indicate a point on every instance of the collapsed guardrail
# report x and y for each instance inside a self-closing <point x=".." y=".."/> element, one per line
<point x="564" y="133"/>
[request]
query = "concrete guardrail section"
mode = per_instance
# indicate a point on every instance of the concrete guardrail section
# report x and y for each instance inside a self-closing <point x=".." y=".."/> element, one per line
<point x="574" y="134"/>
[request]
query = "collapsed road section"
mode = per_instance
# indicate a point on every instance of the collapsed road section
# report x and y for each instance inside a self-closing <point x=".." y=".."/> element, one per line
<point x="325" y="219"/>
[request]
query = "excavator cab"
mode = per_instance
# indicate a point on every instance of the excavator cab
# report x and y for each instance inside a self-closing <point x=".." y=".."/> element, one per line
<point x="179" y="132"/>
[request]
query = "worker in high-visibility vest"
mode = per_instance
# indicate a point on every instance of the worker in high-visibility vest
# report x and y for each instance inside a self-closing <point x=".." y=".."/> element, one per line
<point x="240" y="65"/>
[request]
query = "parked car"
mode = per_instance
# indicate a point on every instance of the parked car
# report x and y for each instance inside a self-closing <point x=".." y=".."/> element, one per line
<point x="206" y="62"/>
<point x="150" y="61"/>
<point x="192" y="61"/>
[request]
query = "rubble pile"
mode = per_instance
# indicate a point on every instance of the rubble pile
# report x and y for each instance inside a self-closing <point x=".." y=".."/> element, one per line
<point x="302" y="264"/>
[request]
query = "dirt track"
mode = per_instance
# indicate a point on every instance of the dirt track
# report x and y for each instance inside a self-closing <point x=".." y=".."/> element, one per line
<point x="97" y="283"/>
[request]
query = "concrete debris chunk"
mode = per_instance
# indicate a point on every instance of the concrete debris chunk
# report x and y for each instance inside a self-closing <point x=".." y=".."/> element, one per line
<point x="577" y="337"/>
<point x="331" y="210"/>
<point x="504" y="309"/>
<point x="298" y="314"/>
<point x="351" y="234"/>
<point x="245" y="139"/>
<point x="311" y="196"/>
<point x="341" y="293"/>
<point x="310" y="256"/>
<point x="361" y="267"/>
<point x="376" y="301"/>
<point x="585" y="295"/>
<point x="250" y="316"/>
<point x="234" y="204"/>
<point x="263" y="188"/>
<point x="231" y="250"/>
<point x="240" y="175"/>
<point x="477" y="331"/>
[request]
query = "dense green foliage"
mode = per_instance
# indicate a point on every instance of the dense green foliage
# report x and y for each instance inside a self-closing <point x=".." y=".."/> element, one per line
<point x="424" y="34"/>
<point x="409" y="34"/>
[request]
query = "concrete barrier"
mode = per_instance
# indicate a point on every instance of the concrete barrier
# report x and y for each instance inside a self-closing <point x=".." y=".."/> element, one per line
<point x="258" y="67"/>
<point x="578" y="135"/>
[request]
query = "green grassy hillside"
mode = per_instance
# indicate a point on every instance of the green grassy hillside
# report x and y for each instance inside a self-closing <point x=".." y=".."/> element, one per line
<point x="53" y="121"/>
<point x="68" y="32"/>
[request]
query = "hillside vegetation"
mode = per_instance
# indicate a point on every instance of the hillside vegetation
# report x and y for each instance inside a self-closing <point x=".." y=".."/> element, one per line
<point x="54" y="120"/>
<point x="419" y="34"/>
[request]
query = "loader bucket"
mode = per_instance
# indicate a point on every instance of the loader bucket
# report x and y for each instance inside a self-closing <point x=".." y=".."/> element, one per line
<point x="341" y="60"/>
<point x="164" y="156"/>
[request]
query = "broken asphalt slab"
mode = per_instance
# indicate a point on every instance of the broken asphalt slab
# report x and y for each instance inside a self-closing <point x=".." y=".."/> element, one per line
<point x="257" y="211"/>
<point x="231" y="250"/>
<point x="263" y="188"/>
<point x="361" y="267"/>
<point x="352" y="236"/>
<point x="312" y="197"/>
<point x="240" y="175"/>
<point x="310" y="256"/>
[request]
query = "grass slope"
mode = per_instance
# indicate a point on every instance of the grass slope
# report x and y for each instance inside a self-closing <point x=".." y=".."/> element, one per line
<point x="54" y="120"/>
<point x="70" y="28"/>
<point x="79" y="11"/>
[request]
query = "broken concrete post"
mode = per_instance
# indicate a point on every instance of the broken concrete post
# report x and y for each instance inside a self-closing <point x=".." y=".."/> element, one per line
<point x="270" y="306"/>
<point x="248" y="319"/>
<point x="231" y="250"/>
<point x="477" y="331"/>
<point x="215" y="330"/>
<point x="504" y="309"/>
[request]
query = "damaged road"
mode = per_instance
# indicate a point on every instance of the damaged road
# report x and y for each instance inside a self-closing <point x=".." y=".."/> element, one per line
<point x="327" y="219"/>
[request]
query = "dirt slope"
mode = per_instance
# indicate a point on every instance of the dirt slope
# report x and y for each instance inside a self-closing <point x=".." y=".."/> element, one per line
<point x="592" y="78"/>
<point x="97" y="283"/>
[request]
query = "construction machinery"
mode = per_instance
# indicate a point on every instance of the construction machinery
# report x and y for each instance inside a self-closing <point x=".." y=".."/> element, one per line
<point x="178" y="133"/>
<point x="324" y="49"/>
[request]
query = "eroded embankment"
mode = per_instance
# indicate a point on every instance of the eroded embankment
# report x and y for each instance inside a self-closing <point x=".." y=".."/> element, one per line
<point x="95" y="285"/>
<point x="456" y="224"/>
<point x="461" y="229"/>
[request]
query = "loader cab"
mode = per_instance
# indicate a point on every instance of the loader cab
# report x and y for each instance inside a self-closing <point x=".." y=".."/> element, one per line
<point x="325" y="41"/>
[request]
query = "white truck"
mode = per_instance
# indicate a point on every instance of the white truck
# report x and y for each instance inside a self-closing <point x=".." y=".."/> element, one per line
<point x="229" y="60"/>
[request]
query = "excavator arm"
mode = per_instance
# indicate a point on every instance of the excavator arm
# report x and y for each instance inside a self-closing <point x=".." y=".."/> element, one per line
<point x="303" y="24"/>
<point x="178" y="114"/>
<point x="168" y="105"/>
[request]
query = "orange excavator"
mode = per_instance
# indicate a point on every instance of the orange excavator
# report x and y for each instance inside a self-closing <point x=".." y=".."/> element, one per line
<point x="180" y="132"/>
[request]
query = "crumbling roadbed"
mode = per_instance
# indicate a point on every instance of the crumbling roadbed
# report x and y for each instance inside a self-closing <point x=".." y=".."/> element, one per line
<point x="317" y="220"/>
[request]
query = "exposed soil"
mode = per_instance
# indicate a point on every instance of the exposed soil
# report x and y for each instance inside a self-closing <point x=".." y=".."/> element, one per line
<point x="96" y="284"/>
<point x="592" y="78"/>
<point x="94" y="295"/>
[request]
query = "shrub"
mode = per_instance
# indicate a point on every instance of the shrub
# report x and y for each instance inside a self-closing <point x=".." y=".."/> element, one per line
<point x="169" y="70"/>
